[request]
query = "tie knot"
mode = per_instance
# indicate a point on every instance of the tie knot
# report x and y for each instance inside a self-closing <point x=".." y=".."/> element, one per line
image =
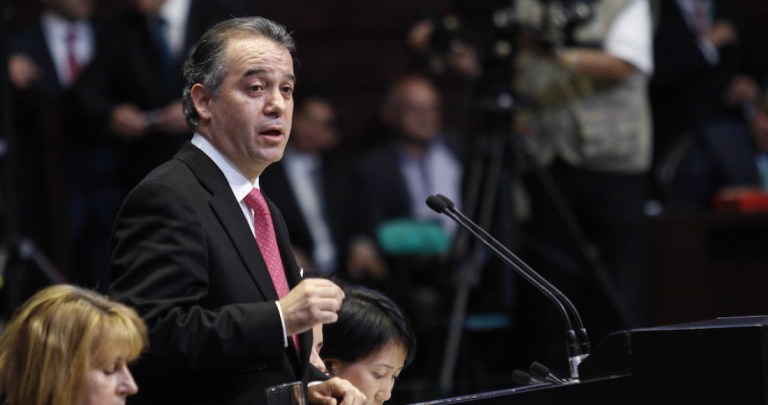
<point x="255" y="201"/>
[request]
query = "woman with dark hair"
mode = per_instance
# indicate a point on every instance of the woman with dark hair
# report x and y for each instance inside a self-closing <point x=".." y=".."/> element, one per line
<point x="370" y="344"/>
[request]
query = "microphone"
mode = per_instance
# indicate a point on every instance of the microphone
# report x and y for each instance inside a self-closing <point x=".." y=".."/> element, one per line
<point x="577" y="339"/>
<point x="542" y="372"/>
<point x="522" y="379"/>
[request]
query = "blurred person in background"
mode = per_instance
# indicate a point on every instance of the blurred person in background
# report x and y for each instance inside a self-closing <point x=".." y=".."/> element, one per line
<point x="46" y="62"/>
<point x="318" y="200"/>
<point x="582" y="130"/>
<point x="130" y="101"/>
<point x="727" y="159"/>
<point x="708" y="66"/>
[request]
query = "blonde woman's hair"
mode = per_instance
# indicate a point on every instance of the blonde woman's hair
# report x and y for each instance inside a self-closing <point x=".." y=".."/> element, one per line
<point x="56" y="336"/>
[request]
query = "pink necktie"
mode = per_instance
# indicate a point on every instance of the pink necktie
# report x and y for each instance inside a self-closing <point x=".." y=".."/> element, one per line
<point x="265" y="238"/>
<point x="74" y="66"/>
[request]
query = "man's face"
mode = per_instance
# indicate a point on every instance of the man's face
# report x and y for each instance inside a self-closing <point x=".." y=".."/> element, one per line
<point x="72" y="9"/>
<point x="149" y="7"/>
<point x="314" y="128"/>
<point x="417" y="111"/>
<point x="249" y="120"/>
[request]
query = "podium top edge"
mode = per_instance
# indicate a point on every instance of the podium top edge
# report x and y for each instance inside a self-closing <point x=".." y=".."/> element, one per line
<point x="715" y="323"/>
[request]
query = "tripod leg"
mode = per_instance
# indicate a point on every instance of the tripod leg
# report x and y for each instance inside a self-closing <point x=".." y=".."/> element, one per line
<point x="483" y="180"/>
<point x="29" y="252"/>
<point x="575" y="231"/>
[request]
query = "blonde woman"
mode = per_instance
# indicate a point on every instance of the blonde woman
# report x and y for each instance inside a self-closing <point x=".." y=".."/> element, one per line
<point x="69" y="346"/>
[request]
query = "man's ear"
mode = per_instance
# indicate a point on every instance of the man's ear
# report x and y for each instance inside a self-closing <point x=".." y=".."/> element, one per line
<point x="201" y="98"/>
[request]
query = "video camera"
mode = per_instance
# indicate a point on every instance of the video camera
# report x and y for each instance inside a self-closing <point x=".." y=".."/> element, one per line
<point x="495" y="27"/>
<point x="487" y="23"/>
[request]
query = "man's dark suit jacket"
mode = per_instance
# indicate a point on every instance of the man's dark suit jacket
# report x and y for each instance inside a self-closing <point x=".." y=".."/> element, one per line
<point x="686" y="89"/>
<point x="338" y="198"/>
<point x="184" y="256"/>
<point x="43" y="123"/>
<point x="722" y="154"/>
<point x="129" y="69"/>
<point x="31" y="42"/>
<point x="377" y="177"/>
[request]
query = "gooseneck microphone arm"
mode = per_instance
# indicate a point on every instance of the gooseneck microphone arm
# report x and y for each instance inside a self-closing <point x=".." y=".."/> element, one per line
<point x="536" y="279"/>
<point x="577" y="340"/>
<point x="440" y="206"/>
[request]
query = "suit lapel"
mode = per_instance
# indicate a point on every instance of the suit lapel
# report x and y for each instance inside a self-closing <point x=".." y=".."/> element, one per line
<point x="228" y="211"/>
<point x="284" y="245"/>
<point x="49" y="84"/>
<point x="292" y="274"/>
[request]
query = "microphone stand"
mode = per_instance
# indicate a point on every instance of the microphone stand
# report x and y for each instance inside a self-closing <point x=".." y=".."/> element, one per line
<point x="577" y="340"/>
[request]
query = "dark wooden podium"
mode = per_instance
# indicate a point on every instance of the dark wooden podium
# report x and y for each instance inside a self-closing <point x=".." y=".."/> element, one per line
<point x="720" y="361"/>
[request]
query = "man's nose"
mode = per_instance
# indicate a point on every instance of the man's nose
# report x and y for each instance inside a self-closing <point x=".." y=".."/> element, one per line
<point x="276" y="103"/>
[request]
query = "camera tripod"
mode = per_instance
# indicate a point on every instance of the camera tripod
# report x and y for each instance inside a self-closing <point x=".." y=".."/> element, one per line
<point x="498" y="148"/>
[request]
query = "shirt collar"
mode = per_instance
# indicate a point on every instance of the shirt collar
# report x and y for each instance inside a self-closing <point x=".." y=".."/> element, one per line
<point x="237" y="181"/>
<point x="58" y="27"/>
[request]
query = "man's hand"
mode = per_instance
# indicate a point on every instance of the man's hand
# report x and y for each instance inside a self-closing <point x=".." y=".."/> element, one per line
<point x="23" y="71"/>
<point x="312" y="301"/>
<point x="128" y="122"/>
<point x="722" y="34"/>
<point x="171" y="119"/>
<point x="335" y="391"/>
<point x="364" y="259"/>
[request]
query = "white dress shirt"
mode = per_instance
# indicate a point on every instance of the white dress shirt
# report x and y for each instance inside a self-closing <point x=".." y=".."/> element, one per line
<point x="56" y="29"/>
<point x="240" y="186"/>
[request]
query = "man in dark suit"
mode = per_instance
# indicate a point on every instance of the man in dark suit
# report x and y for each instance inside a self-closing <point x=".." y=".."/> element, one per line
<point x="221" y="328"/>
<point x="418" y="160"/>
<point x="311" y="186"/>
<point x="703" y="68"/>
<point x="132" y="93"/>
<point x="44" y="65"/>
<point x="130" y="104"/>
<point x="726" y="157"/>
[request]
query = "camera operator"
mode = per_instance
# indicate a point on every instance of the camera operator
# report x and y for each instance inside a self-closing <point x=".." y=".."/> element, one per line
<point x="581" y="113"/>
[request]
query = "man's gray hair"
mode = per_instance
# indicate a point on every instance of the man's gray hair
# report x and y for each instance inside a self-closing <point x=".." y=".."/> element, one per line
<point x="206" y="65"/>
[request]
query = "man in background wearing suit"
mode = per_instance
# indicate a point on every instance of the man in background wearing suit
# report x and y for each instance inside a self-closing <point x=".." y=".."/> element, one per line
<point x="727" y="158"/>
<point x="129" y="102"/>
<point x="45" y="63"/>
<point x="311" y="186"/>
<point x="223" y="325"/>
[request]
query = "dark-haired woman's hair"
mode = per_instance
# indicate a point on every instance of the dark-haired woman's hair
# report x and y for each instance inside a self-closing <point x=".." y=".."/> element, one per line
<point x="368" y="321"/>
